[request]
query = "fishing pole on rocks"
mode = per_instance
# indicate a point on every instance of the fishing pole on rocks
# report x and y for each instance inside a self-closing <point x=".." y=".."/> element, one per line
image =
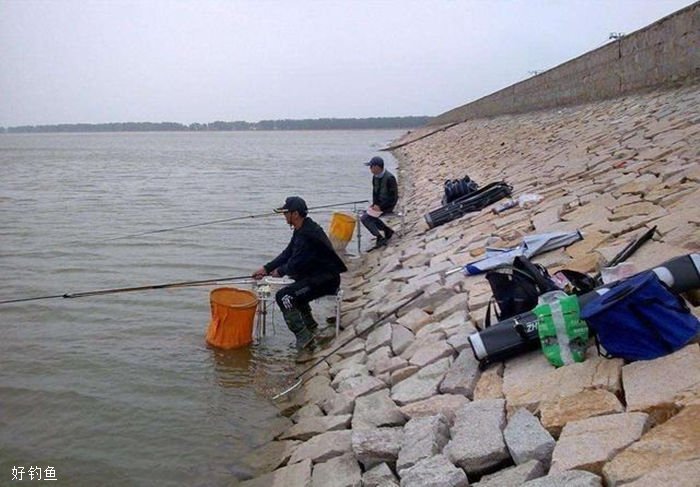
<point x="128" y="289"/>
<point x="225" y="220"/>
<point x="298" y="378"/>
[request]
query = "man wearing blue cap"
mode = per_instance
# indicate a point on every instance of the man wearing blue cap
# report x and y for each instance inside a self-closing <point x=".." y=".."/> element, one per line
<point x="311" y="261"/>
<point x="385" y="194"/>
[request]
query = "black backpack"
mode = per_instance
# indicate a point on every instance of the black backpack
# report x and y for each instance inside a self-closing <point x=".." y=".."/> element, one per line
<point x="516" y="288"/>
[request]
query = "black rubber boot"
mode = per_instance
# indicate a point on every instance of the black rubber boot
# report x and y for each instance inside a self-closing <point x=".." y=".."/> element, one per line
<point x="309" y="320"/>
<point x="297" y="324"/>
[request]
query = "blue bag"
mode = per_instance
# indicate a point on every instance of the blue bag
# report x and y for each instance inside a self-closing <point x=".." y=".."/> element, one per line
<point x="640" y="319"/>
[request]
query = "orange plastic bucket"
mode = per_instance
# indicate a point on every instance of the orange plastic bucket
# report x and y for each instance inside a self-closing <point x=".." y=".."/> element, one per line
<point x="340" y="231"/>
<point x="232" y="317"/>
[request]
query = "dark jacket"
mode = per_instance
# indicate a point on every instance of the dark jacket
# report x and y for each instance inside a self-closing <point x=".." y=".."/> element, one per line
<point x="309" y="253"/>
<point x="385" y="192"/>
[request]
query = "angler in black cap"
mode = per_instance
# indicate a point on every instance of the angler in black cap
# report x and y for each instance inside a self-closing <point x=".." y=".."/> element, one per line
<point x="385" y="194"/>
<point x="311" y="261"/>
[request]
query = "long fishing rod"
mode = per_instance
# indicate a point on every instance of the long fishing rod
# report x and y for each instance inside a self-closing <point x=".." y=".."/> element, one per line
<point x="127" y="289"/>
<point x="224" y="220"/>
<point x="386" y="315"/>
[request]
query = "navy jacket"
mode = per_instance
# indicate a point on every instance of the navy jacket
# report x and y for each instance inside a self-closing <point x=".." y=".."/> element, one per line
<point x="309" y="253"/>
<point x="385" y="192"/>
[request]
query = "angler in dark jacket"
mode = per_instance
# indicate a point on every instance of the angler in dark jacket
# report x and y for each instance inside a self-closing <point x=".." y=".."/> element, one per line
<point x="385" y="194"/>
<point x="311" y="261"/>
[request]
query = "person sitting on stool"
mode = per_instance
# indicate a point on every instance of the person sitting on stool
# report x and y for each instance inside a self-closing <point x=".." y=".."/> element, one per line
<point x="385" y="194"/>
<point x="311" y="261"/>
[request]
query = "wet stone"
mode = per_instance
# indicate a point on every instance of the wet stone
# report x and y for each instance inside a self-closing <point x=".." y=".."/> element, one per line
<point x="343" y="471"/>
<point x="308" y="427"/>
<point x="323" y="447"/>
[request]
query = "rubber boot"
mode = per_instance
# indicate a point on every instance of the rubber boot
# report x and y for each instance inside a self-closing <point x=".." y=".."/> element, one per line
<point x="309" y="320"/>
<point x="297" y="324"/>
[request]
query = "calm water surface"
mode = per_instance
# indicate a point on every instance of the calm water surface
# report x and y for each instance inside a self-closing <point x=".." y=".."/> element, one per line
<point x="121" y="389"/>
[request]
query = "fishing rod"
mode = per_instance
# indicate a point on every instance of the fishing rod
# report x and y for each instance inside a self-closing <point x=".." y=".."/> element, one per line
<point x="127" y="289"/>
<point x="224" y="220"/>
<point x="298" y="378"/>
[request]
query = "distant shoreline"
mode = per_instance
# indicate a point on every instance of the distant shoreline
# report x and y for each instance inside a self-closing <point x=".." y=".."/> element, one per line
<point x="218" y="126"/>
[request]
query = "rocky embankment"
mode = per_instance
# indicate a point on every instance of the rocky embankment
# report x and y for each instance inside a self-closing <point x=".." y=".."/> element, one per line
<point x="405" y="403"/>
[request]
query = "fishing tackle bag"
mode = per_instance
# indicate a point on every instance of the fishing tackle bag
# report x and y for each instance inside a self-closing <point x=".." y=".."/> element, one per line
<point x="516" y="288"/>
<point x="640" y="319"/>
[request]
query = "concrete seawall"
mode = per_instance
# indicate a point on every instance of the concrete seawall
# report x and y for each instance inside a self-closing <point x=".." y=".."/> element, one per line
<point x="661" y="53"/>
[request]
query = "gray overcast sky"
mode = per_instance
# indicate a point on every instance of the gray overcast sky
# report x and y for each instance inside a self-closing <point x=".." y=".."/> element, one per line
<point x="206" y="60"/>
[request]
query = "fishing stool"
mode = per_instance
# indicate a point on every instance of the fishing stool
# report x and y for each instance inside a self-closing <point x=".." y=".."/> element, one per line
<point x="337" y="303"/>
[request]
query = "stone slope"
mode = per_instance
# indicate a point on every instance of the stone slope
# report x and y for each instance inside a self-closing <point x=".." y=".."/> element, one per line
<point x="405" y="403"/>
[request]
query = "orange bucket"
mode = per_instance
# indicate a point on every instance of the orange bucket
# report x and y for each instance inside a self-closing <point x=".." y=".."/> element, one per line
<point x="232" y="317"/>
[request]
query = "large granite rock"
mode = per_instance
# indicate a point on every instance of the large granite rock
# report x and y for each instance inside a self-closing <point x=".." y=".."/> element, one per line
<point x="585" y="404"/>
<point x="421" y="385"/>
<point x="569" y="478"/>
<point x="359" y="386"/>
<point x="352" y="370"/>
<point x="527" y="439"/>
<point x="297" y="474"/>
<point x="682" y="474"/>
<point x="415" y="319"/>
<point x="374" y="446"/>
<point x="270" y="456"/>
<point x="323" y="447"/>
<point x="431" y="353"/>
<point x="513" y="476"/>
<point x="435" y="471"/>
<point x="375" y="410"/>
<point x="462" y="376"/>
<point x="672" y="442"/>
<point x="445" y="404"/>
<point x="379" y="337"/>
<point x="342" y="471"/>
<point x="588" y="444"/>
<point x="308" y="427"/>
<point x="380" y="476"/>
<point x="490" y="383"/>
<point x="477" y="443"/>
<point x="401" y="338"/>
<point x="660" y="387"/>
<point x="529" y="380"/>
<point x="423" y="437"/>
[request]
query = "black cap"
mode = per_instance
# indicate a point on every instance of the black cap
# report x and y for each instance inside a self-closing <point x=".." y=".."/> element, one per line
<point x="293" y="203"/>
<point x="375" y="161"/>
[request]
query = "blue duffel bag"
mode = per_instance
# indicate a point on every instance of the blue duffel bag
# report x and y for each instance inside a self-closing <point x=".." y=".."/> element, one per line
<point x="640" y="319"/>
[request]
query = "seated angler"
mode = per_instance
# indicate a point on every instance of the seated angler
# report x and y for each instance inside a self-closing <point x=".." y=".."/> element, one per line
<point x="385" y="194"/>
<point x="311" y="261"/>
